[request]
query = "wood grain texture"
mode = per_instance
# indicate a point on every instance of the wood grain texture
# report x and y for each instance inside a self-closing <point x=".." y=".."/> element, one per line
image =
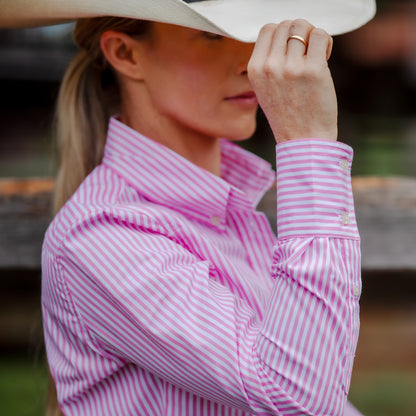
<point x="25" y="212"/>
<point x="386" y="214"/>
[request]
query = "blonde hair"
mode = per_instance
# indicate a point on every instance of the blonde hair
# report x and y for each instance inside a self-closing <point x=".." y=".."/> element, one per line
<point x="88" y="96"/>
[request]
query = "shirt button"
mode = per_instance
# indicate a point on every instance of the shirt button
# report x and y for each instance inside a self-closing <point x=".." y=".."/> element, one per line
<point x="356" y="290"/>
<point x="344" y="165"/>
<point x="346" y="218"/>
<point x="216" y="220"/>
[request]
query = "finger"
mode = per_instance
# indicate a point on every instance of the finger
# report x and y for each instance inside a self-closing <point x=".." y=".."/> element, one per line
<point x="279" y="41"/>
<point x="295" y="47"/>
<point x="329" y="47"/>
<point x="263" y="44"/>
<point x="320" y="46"/>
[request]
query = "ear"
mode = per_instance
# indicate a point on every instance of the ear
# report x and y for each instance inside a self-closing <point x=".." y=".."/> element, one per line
<point x="122" y="52"/>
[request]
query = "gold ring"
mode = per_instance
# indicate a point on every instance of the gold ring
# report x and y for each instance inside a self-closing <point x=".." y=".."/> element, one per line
<point x="299" y="38"/>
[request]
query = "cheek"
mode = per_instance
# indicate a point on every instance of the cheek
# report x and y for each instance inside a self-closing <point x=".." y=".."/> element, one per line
<point x="196" y="78"/>
<point x="197" y="92"/>
<point x="188" y="88"/>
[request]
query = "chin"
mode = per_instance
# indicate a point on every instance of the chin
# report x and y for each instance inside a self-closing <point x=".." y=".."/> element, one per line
<point x="239" y="135"/>
<point x="234" y="129"/>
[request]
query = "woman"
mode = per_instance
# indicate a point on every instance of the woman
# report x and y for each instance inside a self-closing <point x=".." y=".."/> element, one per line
<point x="164" y="291"/>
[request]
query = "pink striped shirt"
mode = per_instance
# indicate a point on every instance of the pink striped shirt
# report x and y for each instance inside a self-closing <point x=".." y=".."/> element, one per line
<point x="166" y="293"/>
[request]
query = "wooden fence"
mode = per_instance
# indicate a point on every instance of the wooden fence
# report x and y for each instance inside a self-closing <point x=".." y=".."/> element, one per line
<point x="386" y="213"/>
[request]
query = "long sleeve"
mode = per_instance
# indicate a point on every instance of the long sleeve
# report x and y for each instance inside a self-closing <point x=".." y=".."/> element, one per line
<point x="148" y="310"/>
<point x="311" y="329"/>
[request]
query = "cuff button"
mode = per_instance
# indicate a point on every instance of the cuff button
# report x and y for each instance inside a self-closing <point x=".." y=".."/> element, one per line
<point x="356" y="291"/>
<point x="344" y="165"/>
<point x="346" y="218"/>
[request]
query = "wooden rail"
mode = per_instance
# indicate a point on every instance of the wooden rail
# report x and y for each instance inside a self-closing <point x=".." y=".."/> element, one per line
<point x="25" y="207"/>
<point x="386" y="214"/>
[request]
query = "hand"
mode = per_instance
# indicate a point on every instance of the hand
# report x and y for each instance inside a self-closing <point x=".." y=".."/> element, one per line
<point x="292" y="81"/>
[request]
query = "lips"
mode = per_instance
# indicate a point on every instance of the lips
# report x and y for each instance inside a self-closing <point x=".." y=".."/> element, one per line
<point x="244" y="95"/>
<point x="245" y="100"/>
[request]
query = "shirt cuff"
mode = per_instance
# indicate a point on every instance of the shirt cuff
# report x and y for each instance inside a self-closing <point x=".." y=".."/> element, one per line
<point x="314" y="195"/>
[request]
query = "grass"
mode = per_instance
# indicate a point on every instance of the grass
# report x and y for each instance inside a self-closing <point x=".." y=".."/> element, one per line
<point x="384" y="393"/>
<point x="22" y="386"/>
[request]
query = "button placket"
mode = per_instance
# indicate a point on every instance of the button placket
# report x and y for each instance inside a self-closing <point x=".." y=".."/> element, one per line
<point x="215" y="220"/>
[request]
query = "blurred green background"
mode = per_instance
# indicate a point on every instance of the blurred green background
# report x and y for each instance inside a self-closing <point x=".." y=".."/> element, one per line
<point x="374" y="71"/>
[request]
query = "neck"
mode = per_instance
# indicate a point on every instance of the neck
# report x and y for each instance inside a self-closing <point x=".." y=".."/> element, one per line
<point x="204" y="151"/>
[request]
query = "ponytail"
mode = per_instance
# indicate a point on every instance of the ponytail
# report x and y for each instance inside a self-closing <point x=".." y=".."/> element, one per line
<point x="82" y="118"/>
<point x="89" y="95"/>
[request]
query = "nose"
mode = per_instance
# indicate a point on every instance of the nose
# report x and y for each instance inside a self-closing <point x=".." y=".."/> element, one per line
<point x="241" y="54"/>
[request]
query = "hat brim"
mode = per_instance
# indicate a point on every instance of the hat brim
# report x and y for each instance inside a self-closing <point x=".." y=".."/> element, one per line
<point x="238" y="19"/>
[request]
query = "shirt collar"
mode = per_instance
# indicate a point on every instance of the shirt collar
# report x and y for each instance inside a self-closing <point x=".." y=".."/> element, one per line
<point x="166" y="178"/>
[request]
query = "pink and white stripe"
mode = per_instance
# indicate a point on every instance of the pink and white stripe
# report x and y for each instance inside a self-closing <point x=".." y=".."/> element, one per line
<point x="166" y="293"/>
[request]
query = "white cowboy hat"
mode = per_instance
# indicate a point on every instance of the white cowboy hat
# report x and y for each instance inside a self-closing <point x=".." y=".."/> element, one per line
<point x="239" y="19"/>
